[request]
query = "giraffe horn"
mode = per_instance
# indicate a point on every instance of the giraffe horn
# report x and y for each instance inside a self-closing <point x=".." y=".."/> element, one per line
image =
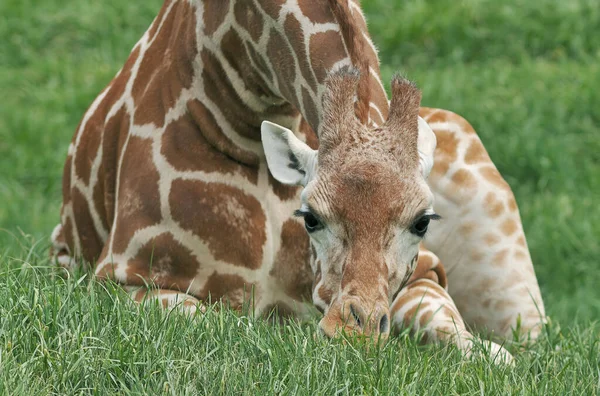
<point x="338" y="103"/>
<point x="404" y="107"/>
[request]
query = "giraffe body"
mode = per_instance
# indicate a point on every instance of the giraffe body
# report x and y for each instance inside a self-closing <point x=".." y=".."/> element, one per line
<point x="166" y="179"/>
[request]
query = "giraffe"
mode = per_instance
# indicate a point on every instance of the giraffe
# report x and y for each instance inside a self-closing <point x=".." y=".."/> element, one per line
<point x="168" y="179"/>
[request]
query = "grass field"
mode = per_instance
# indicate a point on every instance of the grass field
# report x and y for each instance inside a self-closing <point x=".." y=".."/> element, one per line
<point x="527" y="76"/>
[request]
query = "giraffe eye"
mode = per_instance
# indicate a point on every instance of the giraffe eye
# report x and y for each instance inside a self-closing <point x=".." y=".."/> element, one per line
<point x="419" y="228"/>
<point x="311" y="223"/>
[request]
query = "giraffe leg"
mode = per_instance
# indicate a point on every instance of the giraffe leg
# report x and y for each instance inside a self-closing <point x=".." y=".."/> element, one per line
<point x="168" y="299"/>
<point x="480" y="238"/>
<point x="424" y="305"/>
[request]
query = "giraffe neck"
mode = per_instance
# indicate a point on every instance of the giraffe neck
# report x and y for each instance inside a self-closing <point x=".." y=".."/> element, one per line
<point x="234" y="64"/>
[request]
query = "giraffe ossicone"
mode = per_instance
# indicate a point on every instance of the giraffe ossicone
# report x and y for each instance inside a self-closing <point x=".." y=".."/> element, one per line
<point x="167" y="180"/>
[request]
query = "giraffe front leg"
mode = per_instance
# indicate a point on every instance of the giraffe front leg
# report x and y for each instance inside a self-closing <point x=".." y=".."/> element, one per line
<point x="168" y="299"/>
<point x="425" y="306"/>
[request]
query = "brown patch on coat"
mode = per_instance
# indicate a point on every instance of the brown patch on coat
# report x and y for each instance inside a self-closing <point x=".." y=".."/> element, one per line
<point x="493" y="206"/>
<point x="491" y="239"/>
<point x="295" y="36"/>
<point x="273" y="7"/>
<point x="509" y="227"/>
<point x="115" y="135"/>
<point x="476" y="153"/>
<point x="161" y="14"/>
<point x="291" y="266"/>
<point x="499" y="258"/>
<point x="211" y="130"/>
<point x="219" y="89"/>
<point x="214" y="15"/>
<point x="66" y="181"/>
<point x="316" y="11"/>
<point x="249" y="18"/>
<point x="445" y="152"/>
<point x="229" y="221"/>
<point x="281" y="57"/>
<point x="164" y="262"/>
<point x="91" y="243"/>
<point x="186" y="149"/>
<point x="492" y="175"/>
<point x="168" y="59"/>
<point x="98" y="198"/>
<point x="326" y="49"/>
<point x="230" y="288"/>
<point x="138" y="203"/>
<point x="283" y="191"/>
<point x="464" y="179"/>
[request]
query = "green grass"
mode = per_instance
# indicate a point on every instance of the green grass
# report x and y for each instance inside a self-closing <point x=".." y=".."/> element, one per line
<point x="525" y="74"/>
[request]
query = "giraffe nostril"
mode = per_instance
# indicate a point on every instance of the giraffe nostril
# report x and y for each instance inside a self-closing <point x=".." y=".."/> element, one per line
<point x="355" y="315"/>
<point x="384" y="324"/>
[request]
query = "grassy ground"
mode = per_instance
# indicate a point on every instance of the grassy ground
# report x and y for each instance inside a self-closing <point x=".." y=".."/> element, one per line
<point x="526" y="74"/>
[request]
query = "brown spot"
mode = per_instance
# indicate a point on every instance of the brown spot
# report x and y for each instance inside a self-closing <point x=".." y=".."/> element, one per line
<point x="213" y="134"/>
<point x="214" y="15"/>
<point x="476" y="256"/>
<point x="445" y="152"/>
<point x="326" y="49"/>
<point x="108" y="270"/>
<point x="426" y="112"/>
<point x="491" y="239"/>
<point x="519" y="255"/>
<point x="154" y="27"/>
<point x="492" y="175"/>
<point x="220" y="91"/>
<point x="91" y="243"/>
<point x="98" y="197"/>
<point x="169" y="58"/>
<point x="499" y="258"/>
<point x="68" y="234"/>
<point x="249" y="18"/>
<point x="89" y="143"/>
<point x="509" y="227"/>
<point x="291" y="267"/>
<point x="295" y="36"/>
<point x="493" y="206"/>
<point x="115" y="135"/>
<point x="512" y="203"/>
<point x="281" y="57"/>
<point x="273" y="8"/>
<point x="476" y="153"/>
<point x="165" y="262"/>
<point x="522" y="242"/>
<point x="231" y="288"/>
<point x="186" y="149"/>
<point x="232" y="47"/>
<point x="464" y="179"/>
<point x="66" y="181"/>
<point x="229" y="221"/>
<point x="316" y="11"/>
<point x="467" y="228"/>
<point x="283" y="192"/>
<point x="138" y="203"/>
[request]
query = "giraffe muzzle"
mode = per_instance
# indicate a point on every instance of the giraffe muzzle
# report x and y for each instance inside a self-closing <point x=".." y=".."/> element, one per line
<point x="351" y="318"/>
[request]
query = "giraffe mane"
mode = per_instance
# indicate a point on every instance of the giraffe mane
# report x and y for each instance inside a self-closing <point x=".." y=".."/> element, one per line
<point x="356" y="46"/>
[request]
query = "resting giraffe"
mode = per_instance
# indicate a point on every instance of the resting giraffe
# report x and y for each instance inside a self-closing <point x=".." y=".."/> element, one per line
<point x="166" y="180"/>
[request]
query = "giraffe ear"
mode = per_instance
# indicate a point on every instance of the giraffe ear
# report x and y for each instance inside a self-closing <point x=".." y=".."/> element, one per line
<point x="426" y="144"/>
<point x="289" y="159"/>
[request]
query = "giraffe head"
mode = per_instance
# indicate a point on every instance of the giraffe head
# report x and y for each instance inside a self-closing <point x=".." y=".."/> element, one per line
<point x="365" y="203"/>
